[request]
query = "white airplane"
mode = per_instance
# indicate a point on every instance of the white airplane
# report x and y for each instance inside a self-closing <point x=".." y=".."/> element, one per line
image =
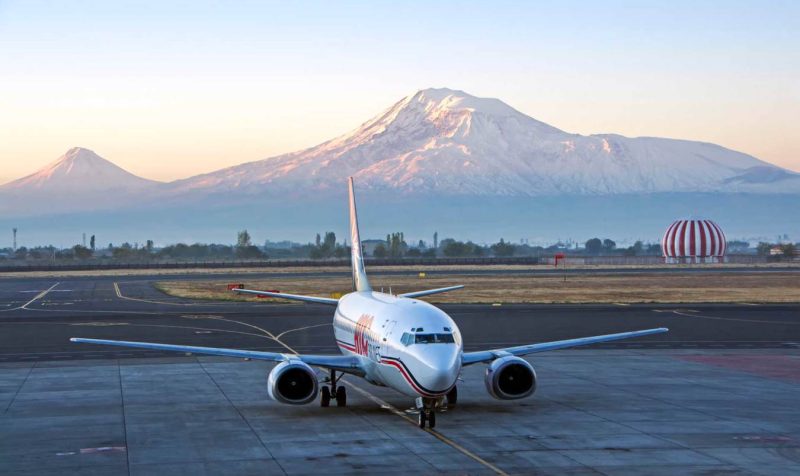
<point x="389" y="340"/>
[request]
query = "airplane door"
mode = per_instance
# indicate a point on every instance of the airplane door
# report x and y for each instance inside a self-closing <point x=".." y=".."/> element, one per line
<point x="387" y="332"/>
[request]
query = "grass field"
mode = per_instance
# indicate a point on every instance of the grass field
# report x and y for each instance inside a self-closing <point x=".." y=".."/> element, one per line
<point x="772" y="287"/>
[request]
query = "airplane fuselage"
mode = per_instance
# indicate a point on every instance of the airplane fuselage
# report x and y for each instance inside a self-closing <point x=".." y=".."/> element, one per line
<point x="402" y="343"/>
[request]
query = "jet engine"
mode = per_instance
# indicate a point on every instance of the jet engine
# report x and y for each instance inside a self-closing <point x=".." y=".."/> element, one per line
<point x="293" y="382"/>
<point x="510" y="378"/>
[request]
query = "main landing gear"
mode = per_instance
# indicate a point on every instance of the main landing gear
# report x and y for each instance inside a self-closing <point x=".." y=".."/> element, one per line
<point x="452" y="397"/>
<point x="338" y="393"/>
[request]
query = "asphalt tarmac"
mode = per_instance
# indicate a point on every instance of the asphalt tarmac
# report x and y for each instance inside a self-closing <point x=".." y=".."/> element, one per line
<point x="717" y="394"/>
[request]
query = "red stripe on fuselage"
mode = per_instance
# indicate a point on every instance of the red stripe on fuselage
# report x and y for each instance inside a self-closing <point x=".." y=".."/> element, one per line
<point x="407" y="377"/>
<point x="346" y="346"/>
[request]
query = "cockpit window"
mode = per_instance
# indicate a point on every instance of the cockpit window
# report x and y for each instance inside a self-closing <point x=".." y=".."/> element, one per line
<point x="434" y="339"/>
<point x="407" y="339"/>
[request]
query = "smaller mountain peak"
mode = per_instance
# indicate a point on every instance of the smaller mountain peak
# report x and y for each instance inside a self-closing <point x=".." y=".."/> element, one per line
<point x="80" y="170"/>
<point x="80" y="153"/>
<point x="78" y="150"/>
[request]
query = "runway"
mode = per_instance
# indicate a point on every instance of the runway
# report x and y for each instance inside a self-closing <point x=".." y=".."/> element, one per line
<point x="715" y="395"/>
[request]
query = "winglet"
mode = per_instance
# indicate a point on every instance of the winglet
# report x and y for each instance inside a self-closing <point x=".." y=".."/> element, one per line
<point x="360" y="281"/>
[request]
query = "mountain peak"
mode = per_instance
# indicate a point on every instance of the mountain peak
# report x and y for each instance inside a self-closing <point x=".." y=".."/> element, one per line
<point x="80" y="152"/>
<point x="439" y="94"/>
<point x="79" y="169"/>
<point x="77" y="155"/>
<point x="457" y="100"/>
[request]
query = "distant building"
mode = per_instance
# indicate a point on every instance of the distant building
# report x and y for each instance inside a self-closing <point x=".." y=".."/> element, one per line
<point x="776" y="251"/>
<point x="693" y="241"/>
<point x="368" y="246"/>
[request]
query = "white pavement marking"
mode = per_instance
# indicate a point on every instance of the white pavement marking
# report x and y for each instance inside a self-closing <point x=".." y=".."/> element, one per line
<point x="758" y="321"/>
<point x="301" y="329"/>
<point x="151" y="301"/>
<point x="38" y="296"/>
<point x="122" y="296"/>
<point x="53" y="291"/>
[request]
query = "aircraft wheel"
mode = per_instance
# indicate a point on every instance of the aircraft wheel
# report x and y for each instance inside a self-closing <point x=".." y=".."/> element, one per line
<point x="452" y="397"/>
<point x="341" y="396"/>
<point x="422" y="419"/>
<point x="432" y="419"/>
<point x="325" y="397"/>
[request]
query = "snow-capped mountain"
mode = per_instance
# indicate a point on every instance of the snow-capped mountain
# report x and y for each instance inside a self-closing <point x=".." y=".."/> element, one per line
<point x="79" y="180"/>
<point x="442" y="141"/>
<point x="79" y="170"/>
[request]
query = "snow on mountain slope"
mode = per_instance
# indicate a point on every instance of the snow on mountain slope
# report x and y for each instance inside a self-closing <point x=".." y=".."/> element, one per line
<point x="78" y="170"/>
<point x="442" y="141"/>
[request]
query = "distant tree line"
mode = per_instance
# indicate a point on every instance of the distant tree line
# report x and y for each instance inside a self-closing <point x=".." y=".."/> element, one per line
<point x="325" y="246"/>
<point x="596" y="247"/>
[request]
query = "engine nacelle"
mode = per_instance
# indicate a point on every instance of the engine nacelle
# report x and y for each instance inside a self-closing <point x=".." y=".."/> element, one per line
<point x="510" y="378"/>
<point x="293" y="382"/>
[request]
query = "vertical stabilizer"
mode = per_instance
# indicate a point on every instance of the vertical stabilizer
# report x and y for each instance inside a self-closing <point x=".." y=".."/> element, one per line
<point x="360" y="281"/>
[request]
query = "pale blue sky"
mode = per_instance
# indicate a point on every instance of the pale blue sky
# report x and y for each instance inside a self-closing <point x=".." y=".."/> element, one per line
<point x="170" y="89"/>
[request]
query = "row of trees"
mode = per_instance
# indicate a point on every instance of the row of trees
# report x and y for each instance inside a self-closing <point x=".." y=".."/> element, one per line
<point x="595" y="247"/>
<point x="326" y="247"/>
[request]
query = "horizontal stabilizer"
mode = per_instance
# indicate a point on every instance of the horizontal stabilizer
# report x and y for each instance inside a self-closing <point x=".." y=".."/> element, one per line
<point x="428" y="292"/>
<point x="292" y="297"/>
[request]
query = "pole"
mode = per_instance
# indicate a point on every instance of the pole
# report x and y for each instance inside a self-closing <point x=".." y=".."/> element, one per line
<point x="15" y="239"/>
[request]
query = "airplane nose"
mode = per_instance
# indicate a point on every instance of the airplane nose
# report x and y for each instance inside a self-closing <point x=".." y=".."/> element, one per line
<point x="442" y="364"/>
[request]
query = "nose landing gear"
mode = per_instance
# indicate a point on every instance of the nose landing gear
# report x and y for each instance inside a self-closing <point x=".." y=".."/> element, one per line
<point x="338" y="393"/>
<point x="427" y="412"/>
<point x="427" y="416"/>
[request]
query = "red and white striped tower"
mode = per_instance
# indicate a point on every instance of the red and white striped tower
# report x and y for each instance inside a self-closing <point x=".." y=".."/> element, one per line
<point x="693" y="241"/>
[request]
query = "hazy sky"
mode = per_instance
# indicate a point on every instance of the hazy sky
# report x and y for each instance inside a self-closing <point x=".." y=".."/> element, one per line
<point x="171" y="89"/>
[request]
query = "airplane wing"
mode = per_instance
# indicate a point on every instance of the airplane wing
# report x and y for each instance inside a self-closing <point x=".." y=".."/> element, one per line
<point x="428" y="292"/>
<point x="293" y="297"/>
<point x="470" y="358"/>
<point x="341" y="363"/>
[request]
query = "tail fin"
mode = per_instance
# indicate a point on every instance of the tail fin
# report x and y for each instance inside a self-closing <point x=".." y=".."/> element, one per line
<point x="360" y="281"/>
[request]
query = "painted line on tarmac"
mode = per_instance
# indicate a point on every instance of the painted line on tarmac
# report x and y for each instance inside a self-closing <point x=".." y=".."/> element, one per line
<point x="717" y="318"/>
<point x="128" y="298"/>
<point x="53" y="291"/>
<point x="301" y="329"/>
<point x="39" y="296"/>
<point x="151" y="301"/>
